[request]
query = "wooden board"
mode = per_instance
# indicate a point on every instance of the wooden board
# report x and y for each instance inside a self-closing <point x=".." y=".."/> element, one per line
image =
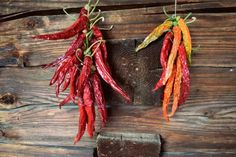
<point x="32" y="125"/>
<point x="215" y="38"/>
<point x="208" y="115"/>
<point x="27" y="8"/>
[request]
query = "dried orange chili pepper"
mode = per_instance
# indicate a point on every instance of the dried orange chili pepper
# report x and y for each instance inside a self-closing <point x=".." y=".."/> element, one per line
<point x="177" y="86"/>
<point x="186" y="38"/>
<point x="167" y="93"/>
<point x="155" y="34"/>
<point x="173" y="53"/>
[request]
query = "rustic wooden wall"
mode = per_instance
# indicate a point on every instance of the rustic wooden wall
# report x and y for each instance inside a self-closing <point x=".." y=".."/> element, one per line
<point x="32" y="125"/>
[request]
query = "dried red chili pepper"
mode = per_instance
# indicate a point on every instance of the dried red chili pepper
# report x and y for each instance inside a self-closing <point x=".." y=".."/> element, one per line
<point x="66" y="83"/>
<point x="82" y="122"/>
<point x="77" y="27"/>
<point x="77" y="43"/>
<point x="98" y="35"/>
<point x="84" y="74"/>
<point x="64" y="66"/>
<point x="89" y="107"/>
<point x="64" y="101"/>
<point x="163" y="58"/>
<point x="186" y="76"/>
<point x="99" y="97"/>
<point x="104" y="73"/>
<point x="72" y="82"/>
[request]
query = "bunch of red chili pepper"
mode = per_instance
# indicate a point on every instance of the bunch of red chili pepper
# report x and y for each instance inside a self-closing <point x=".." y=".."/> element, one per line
<point x="175" y="57"/>
<point x="81" y="67"/>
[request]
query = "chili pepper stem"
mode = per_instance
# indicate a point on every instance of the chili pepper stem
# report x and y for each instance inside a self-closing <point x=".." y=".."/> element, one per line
<point x="189" y="14"/>
<point x="193" y="20"/>
<point x="71" y="16"/>
<point x="96" y="48"/>
<point x="94" y="7"/>
<point x="99" y="13"/>
<point x="86" y="52"/>
<point x="107" y="29"/>
<point x="100" y="18"/>
<point x="164" y="10"/>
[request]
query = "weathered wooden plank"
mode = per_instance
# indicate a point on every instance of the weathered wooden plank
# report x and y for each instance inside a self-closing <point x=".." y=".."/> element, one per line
<point x="42" y="126"/>
<point x="32" y="125"/>
<point x="215" y="38"/>
<point x="206" y="123"/>
<point x="10" y="7"/>
<point x="30" y="85"/>
<point x="28" y="150"/>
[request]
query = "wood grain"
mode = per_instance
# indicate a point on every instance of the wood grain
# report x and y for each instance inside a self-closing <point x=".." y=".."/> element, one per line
<point x="28" y="150"/>
<point x="205" y="125"/>
<point x="216" y="39"/>
<point x="32" y="125"/>
<point x="11" y="7"/>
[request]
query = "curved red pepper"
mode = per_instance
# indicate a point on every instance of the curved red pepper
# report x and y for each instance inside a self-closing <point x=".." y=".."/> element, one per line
<point x="89" y="107"/>
<point x="186" y="76"/>
<point x="78" y="26"/>
<point x="104" y="73"/>
<point x="166" y="46"/>
<point x="84" y="74"/>
<point x="99" y="97"/>
<point x="82" y="122"/>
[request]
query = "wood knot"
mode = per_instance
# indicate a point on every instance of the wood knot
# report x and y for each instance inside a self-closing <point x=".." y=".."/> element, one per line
<point x="2" y="133"/>
<point x="30" y="23"/>
<point x="7" y="98"/>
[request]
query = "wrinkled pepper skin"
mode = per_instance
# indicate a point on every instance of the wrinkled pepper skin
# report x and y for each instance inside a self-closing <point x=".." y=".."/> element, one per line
<point x="173" y="53"/>
<point x="89" y="107"/>
<point x="186" y="75"/>
<point x="166" y="46"/>
<point x="177" y="87"/>
<point x="186" y="38"/>
<point x="155" y="34"/>
<point x="77" y="27"/>
<point x="167" y="94"/>
<point x="84" y="74"/>
<point x="104" y="73"/>
<point x="83" y="118"/>
<point x="99" y="97"/>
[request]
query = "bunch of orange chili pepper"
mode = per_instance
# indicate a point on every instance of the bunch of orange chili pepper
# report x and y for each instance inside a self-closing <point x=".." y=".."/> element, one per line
<point x="175" y="57"/>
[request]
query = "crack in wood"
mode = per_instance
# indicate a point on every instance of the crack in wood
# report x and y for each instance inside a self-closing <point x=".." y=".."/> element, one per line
<point x="26" y="13"/>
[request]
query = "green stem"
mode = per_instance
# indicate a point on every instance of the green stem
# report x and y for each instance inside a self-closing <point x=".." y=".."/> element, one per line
<point x="100" y="18"/>
<point x="189" y="14"/>
<point x="76" y="55"/>
<point x="94" y="7"/>
<point x="97" y="47"/>
<point x="72" y="17"/>
<point x="164" y="10"/>
<point x="107" y="29"/>
<point x="99" y="13"/>
<point x="87" y="51"/>
<point x="193" y="19"/>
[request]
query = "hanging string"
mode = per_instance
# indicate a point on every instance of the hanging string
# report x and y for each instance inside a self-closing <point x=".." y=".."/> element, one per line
<point x="175" y="7"/>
